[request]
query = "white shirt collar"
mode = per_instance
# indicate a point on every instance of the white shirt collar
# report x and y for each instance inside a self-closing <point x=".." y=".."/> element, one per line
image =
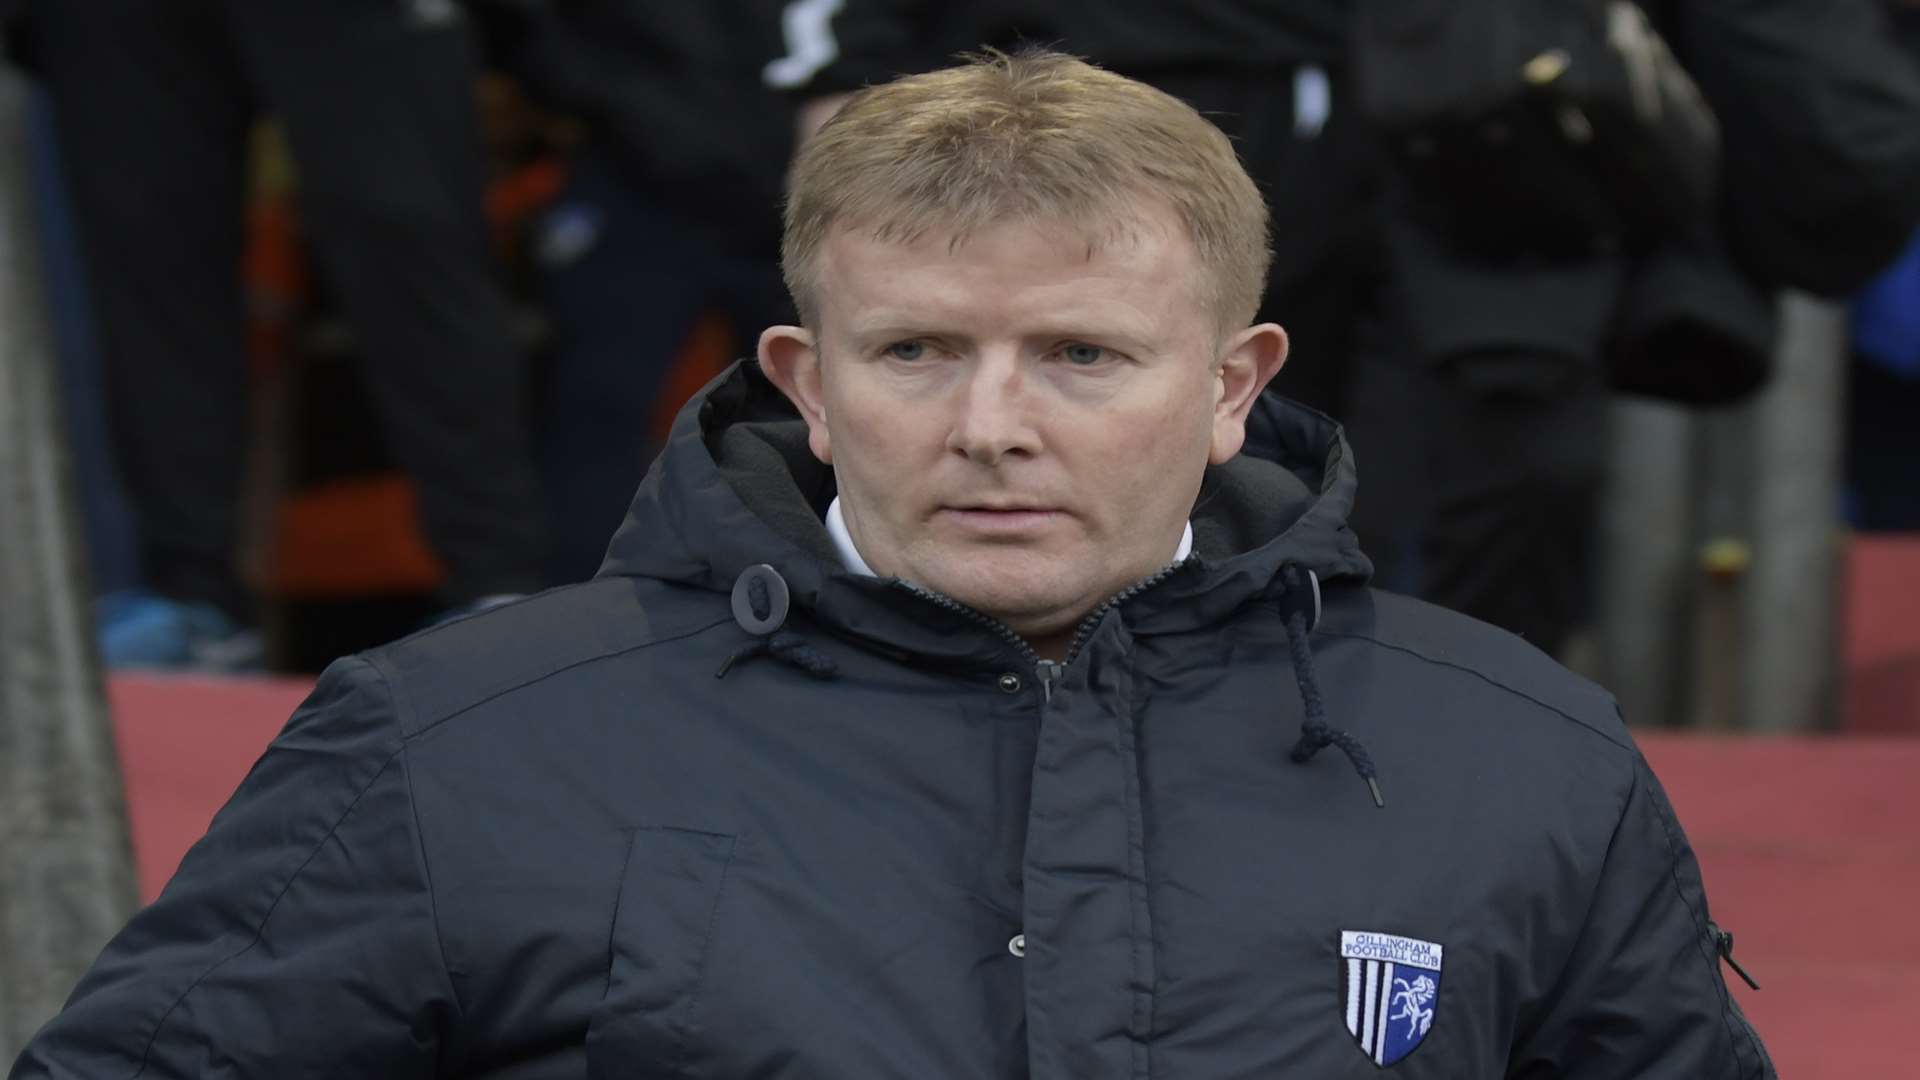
<point x="843" y="542"/>
<point x="850" y="555"/>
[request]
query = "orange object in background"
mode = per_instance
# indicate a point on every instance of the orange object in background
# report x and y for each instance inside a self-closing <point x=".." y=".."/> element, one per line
<point x="274" y="270"/>
<point x="274" y="273"/>
<point x="707" y="352"/>
<point x="519" y="195"/>
<point x="362" y="536"/>
<point x="354" y="537"/>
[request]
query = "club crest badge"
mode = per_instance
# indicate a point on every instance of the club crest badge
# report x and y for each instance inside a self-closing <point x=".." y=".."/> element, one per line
<point x="1392" y="989"/>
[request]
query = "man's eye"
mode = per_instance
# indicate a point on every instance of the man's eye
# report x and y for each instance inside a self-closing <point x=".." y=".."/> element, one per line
<point x="907" y="350"/>
<point x="1083" y="355"/>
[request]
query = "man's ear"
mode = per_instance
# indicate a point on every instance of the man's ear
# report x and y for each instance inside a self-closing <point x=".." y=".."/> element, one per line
<point x="1248" y="361"/>
<point x="789" y="357"/>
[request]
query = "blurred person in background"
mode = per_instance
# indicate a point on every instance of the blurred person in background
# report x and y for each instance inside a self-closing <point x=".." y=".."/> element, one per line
<point x="659" y="260"/>
<point x="154" y="101"/>
<point x="1468" y="343"/>
<point x="1591" y="197"/>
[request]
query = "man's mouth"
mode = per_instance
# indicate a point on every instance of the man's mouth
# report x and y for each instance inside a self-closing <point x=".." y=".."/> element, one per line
<point x="1004" y="508"/>
<point x="1002" y="519"/>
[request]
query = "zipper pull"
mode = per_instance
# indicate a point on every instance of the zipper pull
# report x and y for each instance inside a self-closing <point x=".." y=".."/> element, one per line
<point x="1723" y="944"/>
<point x="1048" y="670"/>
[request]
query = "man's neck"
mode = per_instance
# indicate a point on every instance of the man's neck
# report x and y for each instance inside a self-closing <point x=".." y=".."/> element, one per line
<point x="1051" y="647"/>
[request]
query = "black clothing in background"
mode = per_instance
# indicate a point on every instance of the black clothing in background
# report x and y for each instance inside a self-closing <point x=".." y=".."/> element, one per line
<point x="155" y="100"/>
<point x="1819" y="111"/>
<point x="669" y="222"/>
<point x="1883" y="452"/>
<point x="879" y="39"/>
<point x="623" y="278"/>
<point x="672" y="100"/>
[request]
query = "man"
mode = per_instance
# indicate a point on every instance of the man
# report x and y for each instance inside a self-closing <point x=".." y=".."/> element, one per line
<point x="1045" y="667"/>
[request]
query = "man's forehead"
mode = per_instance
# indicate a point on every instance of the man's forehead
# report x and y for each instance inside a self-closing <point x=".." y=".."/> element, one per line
<point x="1124" y="269"/>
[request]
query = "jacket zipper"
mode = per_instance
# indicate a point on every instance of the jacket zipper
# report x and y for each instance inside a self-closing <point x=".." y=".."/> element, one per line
<point x="1047" y="671"/>
<point x="1087" y="624"/>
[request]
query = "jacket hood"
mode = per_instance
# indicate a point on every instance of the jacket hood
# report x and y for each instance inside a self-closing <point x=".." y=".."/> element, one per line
<point x="737" y="486"/>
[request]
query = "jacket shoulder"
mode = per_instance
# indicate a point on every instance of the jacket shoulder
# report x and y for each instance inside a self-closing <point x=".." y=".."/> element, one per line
<point x="445" y="670"/>
<point x="1435" y="636"/>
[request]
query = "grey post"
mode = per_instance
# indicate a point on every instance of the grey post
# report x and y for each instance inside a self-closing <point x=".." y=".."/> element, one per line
<point x="1646" y="564"/>
<point x="1792" y="669"/>
<point x="66" y="875"/>
<point x="1767" y="625"/>
<point x="1722" y="567"/>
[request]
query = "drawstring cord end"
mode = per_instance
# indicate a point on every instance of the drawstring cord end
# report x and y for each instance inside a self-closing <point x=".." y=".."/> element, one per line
<point x="1301" y="597"/>
<point x="1723" y="944"/>
<point x="756" y="648"/>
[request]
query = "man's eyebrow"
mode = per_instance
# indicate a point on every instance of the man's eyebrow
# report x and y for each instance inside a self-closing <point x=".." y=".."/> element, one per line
<point x="1127" y="332"/>
<point x="896" y="323"/>
<point x="890" y="332"/>
<point x="1124" y="334"/>
<point x="1114" y="330"/>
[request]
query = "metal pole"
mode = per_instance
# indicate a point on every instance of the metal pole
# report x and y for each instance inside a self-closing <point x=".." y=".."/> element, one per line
<point x="1646" y="563"/>
<point x="66" y="874"/>
<point x="1792" y="608"/>
<point x="1722" y="588"/>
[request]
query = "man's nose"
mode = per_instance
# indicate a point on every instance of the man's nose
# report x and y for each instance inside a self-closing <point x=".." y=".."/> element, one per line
<point x="994" y="413"/>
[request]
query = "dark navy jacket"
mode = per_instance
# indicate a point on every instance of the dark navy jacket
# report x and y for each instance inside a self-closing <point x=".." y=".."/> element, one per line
<point x="547" y="841"/>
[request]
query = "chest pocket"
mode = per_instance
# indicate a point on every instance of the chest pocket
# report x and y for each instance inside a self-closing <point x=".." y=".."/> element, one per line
<point x="663" y="927"/>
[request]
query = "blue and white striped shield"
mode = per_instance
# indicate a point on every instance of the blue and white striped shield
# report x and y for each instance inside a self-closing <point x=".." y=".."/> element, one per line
<point x="1392" y="986"/>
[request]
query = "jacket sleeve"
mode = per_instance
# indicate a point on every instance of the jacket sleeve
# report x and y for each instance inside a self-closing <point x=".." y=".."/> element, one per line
<point x="1642" y="994"/>
<point x="297" y="938"/>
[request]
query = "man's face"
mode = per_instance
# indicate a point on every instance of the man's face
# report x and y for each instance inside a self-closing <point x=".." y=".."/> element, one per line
<point x="1013" y="421"/>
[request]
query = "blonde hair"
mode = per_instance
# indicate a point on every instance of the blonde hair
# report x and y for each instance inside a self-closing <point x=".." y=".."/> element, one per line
<point x="1035" y="136"/>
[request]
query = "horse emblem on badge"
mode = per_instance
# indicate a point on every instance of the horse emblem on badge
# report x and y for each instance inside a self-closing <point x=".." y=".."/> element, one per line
<point x="1392" y="986"/>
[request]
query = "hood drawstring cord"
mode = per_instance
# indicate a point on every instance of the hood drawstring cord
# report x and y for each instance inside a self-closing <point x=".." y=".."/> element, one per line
<point x="1315" y="733"/>
<point x="760" y="605"/>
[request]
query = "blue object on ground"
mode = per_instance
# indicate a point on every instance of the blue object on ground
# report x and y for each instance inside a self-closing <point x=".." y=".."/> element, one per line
<point x="142" y="630"/>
